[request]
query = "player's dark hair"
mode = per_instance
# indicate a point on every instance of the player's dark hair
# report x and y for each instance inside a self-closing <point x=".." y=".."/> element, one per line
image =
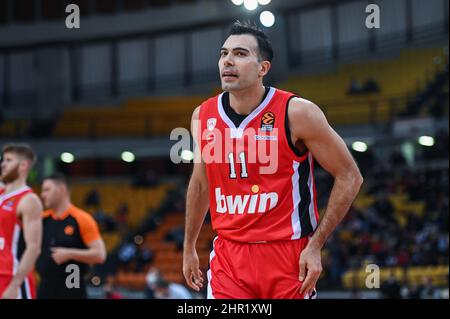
<point x="264" y="45"/>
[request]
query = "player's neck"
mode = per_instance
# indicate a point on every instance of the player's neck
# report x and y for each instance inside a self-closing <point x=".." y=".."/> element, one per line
<point x="15" y="185"/>
<point x="245" y="101"/>
<point x="62" y="207"/>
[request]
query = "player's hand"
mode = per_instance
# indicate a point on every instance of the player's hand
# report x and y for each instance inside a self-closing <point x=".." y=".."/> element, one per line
<point x="191" y="270"/>
<point x="60" y="255"/>
<point x="12" y="292"/>
<point x="310" y="269"/>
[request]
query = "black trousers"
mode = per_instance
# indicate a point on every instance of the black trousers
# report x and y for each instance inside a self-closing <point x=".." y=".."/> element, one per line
<point x="57" y="289"/>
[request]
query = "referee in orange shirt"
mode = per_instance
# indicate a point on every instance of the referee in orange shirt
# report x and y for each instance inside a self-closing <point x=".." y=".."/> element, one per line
<point x="70" y="236"/>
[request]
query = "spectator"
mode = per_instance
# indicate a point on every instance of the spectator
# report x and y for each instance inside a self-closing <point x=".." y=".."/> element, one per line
<point x="92" y="199"/>
<point x="110" y="290"/>
<point x="355" y="87"/>
<point x="169" y="290"/>
<point x="384" y="207"/>
<point x="176" y="235"/>
<point x="414" y="291"/>
<point x="147" y="179"/>
<point x="371" y="86"/>
<point x="122" y="218"/>
<point x="127" y="256"/>
<point x="144" y="257"/>
<point x="390" y="289"/>
<point x="429" y="291"/>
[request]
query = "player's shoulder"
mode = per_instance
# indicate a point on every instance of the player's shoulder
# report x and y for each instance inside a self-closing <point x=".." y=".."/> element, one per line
<point x="30" y="196"/>
<point x="302" y="109"/>
<point x="298" y="101"/>
<point x="279" y="91"/>
<point x="207" y="105"/>
<point x="211" y="102"/>
<point x="306" y="119"/>
<point x="30" y="201"/>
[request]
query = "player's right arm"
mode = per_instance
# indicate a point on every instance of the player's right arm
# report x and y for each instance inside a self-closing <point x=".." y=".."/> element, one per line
<point x="197" y="203"/>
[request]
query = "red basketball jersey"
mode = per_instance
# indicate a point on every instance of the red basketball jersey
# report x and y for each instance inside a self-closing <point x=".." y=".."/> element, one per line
<point x="259" y="189"/>
<point x="10" y="230"/>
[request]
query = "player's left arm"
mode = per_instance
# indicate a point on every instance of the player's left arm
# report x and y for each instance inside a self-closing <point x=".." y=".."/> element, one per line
<point x="30" y="210"/>
<point x="309" y="125"/>
<point x="95" y="253"/>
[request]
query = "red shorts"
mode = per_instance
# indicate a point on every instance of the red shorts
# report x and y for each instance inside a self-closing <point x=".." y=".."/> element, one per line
<point x="255" y="270"/>
<point x="26" y="291"/>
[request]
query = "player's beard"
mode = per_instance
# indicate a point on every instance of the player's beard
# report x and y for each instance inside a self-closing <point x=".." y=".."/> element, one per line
<point x="11" y="176"/>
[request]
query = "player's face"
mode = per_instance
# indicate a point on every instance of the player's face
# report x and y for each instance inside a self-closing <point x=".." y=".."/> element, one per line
<point x="11" y="163"/>
<point x="51" y="193"/>
<point x="239" y="63"/>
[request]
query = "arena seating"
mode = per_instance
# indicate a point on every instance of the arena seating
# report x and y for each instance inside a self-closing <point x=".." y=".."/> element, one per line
<point x="168" y="259"/>
<point x="398" y="78"/>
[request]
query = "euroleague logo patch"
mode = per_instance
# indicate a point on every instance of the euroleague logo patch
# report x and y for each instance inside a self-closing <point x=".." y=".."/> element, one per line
<point x="267" y="122"/>
<point x="9" y="206"/>
<point x="69" y="230"/>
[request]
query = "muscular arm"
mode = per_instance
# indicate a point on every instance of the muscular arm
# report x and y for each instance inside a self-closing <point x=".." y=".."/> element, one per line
<point x="310" y="127"/>
<point x="30" y="210"/>
<point x="197" y="200"/>
<point x="197" y="203"/>
<point x="308" y="124"/>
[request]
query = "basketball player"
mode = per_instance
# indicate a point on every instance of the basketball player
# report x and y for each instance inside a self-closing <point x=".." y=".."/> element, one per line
<point x="269" y="237"/>
<point x="20" y="224"/>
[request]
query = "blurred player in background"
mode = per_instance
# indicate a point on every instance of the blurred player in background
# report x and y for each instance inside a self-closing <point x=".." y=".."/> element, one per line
<point x="269" y="237"/>
<point x="71" y="236"/>
<point x="20" y="223"/>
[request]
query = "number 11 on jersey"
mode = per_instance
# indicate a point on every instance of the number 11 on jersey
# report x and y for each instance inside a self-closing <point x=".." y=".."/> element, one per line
<point x="242" y="160"/>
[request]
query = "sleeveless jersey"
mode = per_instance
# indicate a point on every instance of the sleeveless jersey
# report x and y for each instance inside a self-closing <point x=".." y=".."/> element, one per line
<point x="11" y="239"/>
<point x="259" y="189"/>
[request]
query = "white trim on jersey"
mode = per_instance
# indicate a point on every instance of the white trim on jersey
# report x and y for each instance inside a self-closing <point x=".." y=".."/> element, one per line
<point x="312" y="212"/>
<point x="249" y="117"/>
<point x="295" y="217"/>
<point x="12" y="194"/>
<point x="208" y="273"/>
<point x="27" y="288"/>
<point x="15" y="242"/>
<point x="15" y="247"/>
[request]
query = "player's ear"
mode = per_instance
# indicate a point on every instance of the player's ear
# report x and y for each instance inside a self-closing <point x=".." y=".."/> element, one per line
<point x="24" y="164"/>
<point x="264" y="68"/>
